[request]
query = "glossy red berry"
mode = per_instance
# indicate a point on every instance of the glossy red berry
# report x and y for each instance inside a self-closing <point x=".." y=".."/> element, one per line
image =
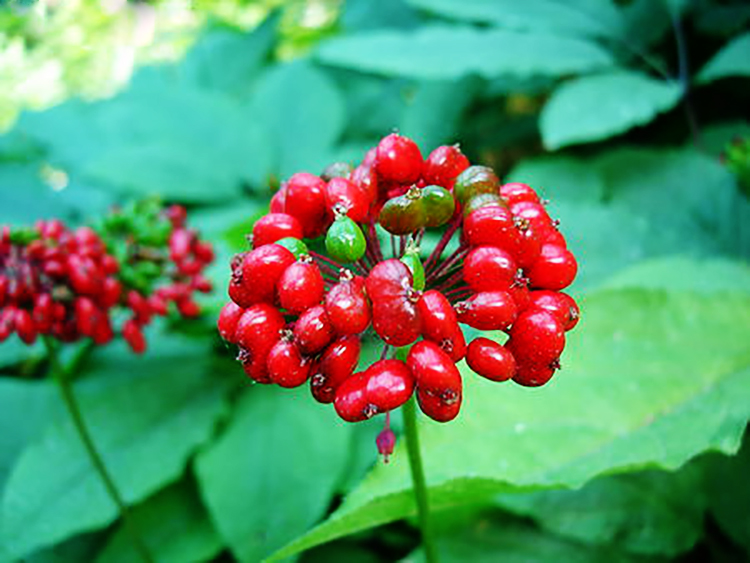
<point x="390" y="383"/>
<point x="443" y="165"/>
<point x="494" y="226"/>
<point x="439" y="385"/>
<point x="258" y="329"/>
<point x="336" y="364"/>
<point x="305" y="199"/>
<point x="351" y="399"/>
<point x="313" y="330"/>
<point x="300" y="287"/>
<point x="562" y="305"/>
<point x="133" y="335"/>
<point x="515" y="192"/>
<point x="348" y="197"/>
<point x="537" y="336"/>
<point x="488" y="310"/>
<point x="347" y="307"/>
<point x="399" y="159"/>
<point x="490" y="359"/>
<point x="440" y="324"/>
<point x="275" y="226"/>
<point x="24" y="326"/>
<point x="533" y="375"/>
<point x="260" y="273"/>
<point x="489" y="268"/>
<point x="556" y="268"/>
<point x="395" y="317"/>
<point x="286" y="365"/>
<point x="228" y="318"/>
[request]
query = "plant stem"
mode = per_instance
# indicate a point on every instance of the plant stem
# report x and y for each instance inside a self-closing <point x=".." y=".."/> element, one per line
<point x="63" y="376"/>
<point x="418" y="480"/>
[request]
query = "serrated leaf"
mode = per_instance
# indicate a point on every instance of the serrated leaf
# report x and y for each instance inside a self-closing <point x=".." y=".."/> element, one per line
<point x="647" y="512"/>
<point x="174" y="527"/>
<point x="621" y="403"/>
<point x="146" y="419"/>
<point x="301" y="128"/>
<point x="448" y="52"/>
<point x="592" y="108"/>
<point x="732" y="60"/>
<point x="273" y="472"/>
<point x="577" y="17"/>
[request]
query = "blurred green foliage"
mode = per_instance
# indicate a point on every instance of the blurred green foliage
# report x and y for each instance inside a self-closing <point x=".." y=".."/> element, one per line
<point x="618" y="111"/>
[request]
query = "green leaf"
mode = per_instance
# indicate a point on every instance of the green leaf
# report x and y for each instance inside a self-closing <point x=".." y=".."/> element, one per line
<point x="577" y="17"/>
<point x="490" y="539"/>
<point x="174" y="526"/>
<point x="716" y="137"/>
<point x="146" y="419"/>
<point x="301" y="128"/>
<point x="621" y="403"/>
<point x="274" y="471"/>
<point x="592" y="108"/>
<point x="732" y="60"/>
<point x="729" y="495"/>
<point x="364" y="14"/>
<point x="560" y="178"/>
<point x="648" y="512"/>
<point x="449" y="52"/>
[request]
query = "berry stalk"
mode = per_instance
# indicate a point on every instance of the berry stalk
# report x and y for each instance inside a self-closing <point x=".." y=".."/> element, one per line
<point x="63" y="376"/>
<point x="418" y="480"/>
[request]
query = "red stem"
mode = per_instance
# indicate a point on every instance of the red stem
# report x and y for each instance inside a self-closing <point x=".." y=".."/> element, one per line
<point x="447" y="236"/>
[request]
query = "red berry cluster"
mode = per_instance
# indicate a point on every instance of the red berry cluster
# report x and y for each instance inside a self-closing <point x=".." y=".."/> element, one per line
<point x="299" y="308"/>
<point x="68" y="284"/>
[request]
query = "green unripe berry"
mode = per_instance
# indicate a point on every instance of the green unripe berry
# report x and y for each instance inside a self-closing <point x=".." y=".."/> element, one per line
<point x="483" y="200"/>
<point x="439" y="205"/>
<point x="293" y="245"/>
<point x="475" y="180"/>
<point x="412" y="261"/>
<point x="345" y="241"/>
<point x="403" y="214"/>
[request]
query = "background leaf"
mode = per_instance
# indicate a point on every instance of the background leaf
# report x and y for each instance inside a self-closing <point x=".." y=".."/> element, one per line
<point x="732" y="60"/>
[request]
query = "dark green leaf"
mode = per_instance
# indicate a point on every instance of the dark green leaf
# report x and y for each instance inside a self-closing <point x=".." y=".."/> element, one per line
<point x="274" y="471"/>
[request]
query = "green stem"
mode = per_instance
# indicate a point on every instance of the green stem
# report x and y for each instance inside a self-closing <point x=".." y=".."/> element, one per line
<point x="62" y="376"/>
<point x="418" y="480"/>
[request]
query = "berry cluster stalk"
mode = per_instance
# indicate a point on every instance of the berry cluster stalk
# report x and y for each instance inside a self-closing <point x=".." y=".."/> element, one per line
<point x="418" y="480"/>
<point x="62" y="376"/>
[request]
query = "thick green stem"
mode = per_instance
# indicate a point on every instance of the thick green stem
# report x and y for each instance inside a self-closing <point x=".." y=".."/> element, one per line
<point x="63" y="376"/>
<point x="418" y="480"/>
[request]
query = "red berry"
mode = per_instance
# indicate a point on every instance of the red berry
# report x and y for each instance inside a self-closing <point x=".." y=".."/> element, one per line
<point x="180" y="243"/>
<point x="278" y="201"/>
<point x="305" y="200"/>
<point x="443" y="165"/>
<point x="489" y="268"/>
<point x="258" y="330"/>
<point x="261" y="271"/>
<point x="436" y="408"/>
<point x="488" y="310"/>
<point x="533" y="375"/>
<point x="385" y="442"/>
<point x="389" y="384"/>
<point x="313" y="331"/>
<point x="286" y="365"/>
<point x="367" y="179"/>
<point x="351" y="399"/>
<point x="347" y="307"/>
<point x="139" y="305"/>
<point x="86" y="315"/>
<point x="556" y="268"/>
<point x="42" y="312"/>
<point x="562" y="305"/>
<point x="336" y="364"/>
<point x="111" y="291"/>
<point x="24" y="325"/>
<point x="492" y="225"/>
<point x="530" y="244"/>
<point x="188" y="308"/>
<point x="437" y="378"/>
<point x="399" y="159"/>
<point x="256" y="368"/>
<point x="537" y="337"/>
<point x="490" y="359"/>
<point x="300" y="287"/>
<point x="350" y="197"/>
<point x="275" y="226"/>
<point x="515" y="192"/>
<point x="394" y="313"/>
<point x="7" y="322"/>
<point x="534" y="213"/>
<point x="131" y="332"/>
<point x="228" y="318"/>
<point x="440" y="324"/>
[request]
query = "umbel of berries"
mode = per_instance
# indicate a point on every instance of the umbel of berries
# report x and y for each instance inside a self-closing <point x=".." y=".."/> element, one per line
<point x="341" y="262"/>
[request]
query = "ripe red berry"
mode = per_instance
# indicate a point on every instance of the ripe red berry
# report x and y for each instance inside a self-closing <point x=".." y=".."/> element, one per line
<point x="556" y="268"/>
<point x="490" y="359"/>
<point x="533" y="212"/>
<point x="351" y="399"/>
<point x="438" y="380"/>
<point x="261" y="271"/>
<point x="347" y="306"/>
<point x="533" y="375"/>
<point x="366" y="178"/>
<point x="389" y="384"/>
<point x="228" y="318"/>
<point x="488" y="310"/>
<point x="313" y="330"/>
<point x="537" y="336"/>
<point x="258" y="329"/>
<point x="42" y="313"/>
<point x="562" y="305"/>
<point x="305" y="199"/>
<point x="399" y="159"/>
<point x="443" y="165"/>
<point x="515" y="192"/>
<point x="489" y="268"/>
<point x="24" y="326"/>
<point x="275" y="226"/>
<point x="395" y="317"/>
<point x="131" y="332"/>
<point x="86" y="315"/>
<point x="350" y="197"/>
<point x="492" y="225"/>
<point x="286" y="365"/>
<point x="300" y="287"/>
<point x="440" y="324"/>
<point x="336" y="364"/>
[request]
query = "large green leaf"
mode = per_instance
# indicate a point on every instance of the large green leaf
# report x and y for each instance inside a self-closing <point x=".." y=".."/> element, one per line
<point x="146" y="419"/>
<point x="577" y="17"/>
<point x="592" y="108"/>
<point x="732" y="60"/>
<point x="650" y="379"/>
<point x="274" y="471"/>
<point x="448" y="52"/>
<point x="648" y="512"/>
<point x="174" y="527"/>
<point x="303" y="114"/>
<point x="560" y="178"/>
